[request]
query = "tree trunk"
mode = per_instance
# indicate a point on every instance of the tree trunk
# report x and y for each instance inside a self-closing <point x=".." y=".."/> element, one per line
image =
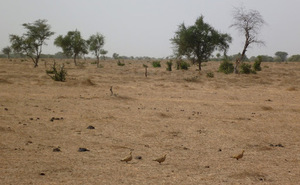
<point x="75" y="60"/>
<point x="98" y="61"/>
<point x="199" y="65"/>
<point x="236" y="66"/>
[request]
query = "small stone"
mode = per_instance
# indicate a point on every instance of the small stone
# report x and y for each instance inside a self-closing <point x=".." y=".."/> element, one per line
<point x="138" y="157"/>
<point x="42" y="174"/>
<point x="31" y="118"/>
<point x="6" y="109"/>
<point x="206" y="166"/>
<point x="56" y="150"/>
<point x="83" y="150"/>
<point x="90" y="127"/>
<point x="220" y="150"/>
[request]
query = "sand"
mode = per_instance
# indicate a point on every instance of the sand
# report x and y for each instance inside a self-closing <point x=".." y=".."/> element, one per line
<point x="199" y="122"/>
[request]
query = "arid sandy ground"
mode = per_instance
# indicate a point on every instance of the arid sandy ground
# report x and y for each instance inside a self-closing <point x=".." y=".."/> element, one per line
<point x="199" y="124"/>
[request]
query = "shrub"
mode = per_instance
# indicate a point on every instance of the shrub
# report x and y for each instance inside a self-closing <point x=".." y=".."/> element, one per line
<point x="256" y="65"/>
<point x="156" y="64"/>
<point x="169" y="64"/>
<point x="57" y="75"/>
<point x="120" y="63"/>
<point x="180" y="64"/>
<point x="210" y="75"/>
<point x="192" y="79"/>
<point x="226" y="67"/>
<point x="246" y="69"/>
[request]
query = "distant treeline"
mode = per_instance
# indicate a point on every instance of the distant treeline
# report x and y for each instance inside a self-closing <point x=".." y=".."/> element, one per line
<point x="265" y="58"/>
<point x="60" y="55"/>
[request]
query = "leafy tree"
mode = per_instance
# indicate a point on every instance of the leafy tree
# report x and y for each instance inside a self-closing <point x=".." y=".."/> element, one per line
<point x="6" y="51"/>
<point x="32" y="41"/>
<point x="248" y="23"/>
<point x="116" y="56"/>
<point x="294" y="58"/>
<point x="281" y="55"/>
<point x="72" y="44"/>
<point x="199" y="41"/>
<point x="103" y="53"/>
<point x="96" y="43"/>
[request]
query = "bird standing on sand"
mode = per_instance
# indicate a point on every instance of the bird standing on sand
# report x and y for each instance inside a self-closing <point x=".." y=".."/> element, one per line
<point x="239" y="156"/>
<point x="161" y="159"/>
<point x="128" y="158"/>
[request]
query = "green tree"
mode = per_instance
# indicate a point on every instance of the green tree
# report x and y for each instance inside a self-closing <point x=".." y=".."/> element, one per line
<point x="31" y="42"/>
<point x="72" y="44"/>
<point x="294" y="58"/>
<point x="6" y="51"/>
<point x="96" y="42"/>
<point x="248" y="23"/>
<point x="199" y="41"/>
<point x="103" y="53"/>
<point x="281" y="55"/>
<point x="116" y="56"/>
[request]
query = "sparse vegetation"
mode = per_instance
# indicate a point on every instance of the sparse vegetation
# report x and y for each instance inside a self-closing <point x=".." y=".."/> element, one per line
<point x="256" y="65"/>
<point x="246" y="69"/>
<point x="120" y="63"/>
<point x="181" y="64"/>
<point x="210" y="74"/>
<point x="169" y="65"/>
<point x="57" y="75"/>
<point x="156" y="64"/>
<point x="226" y="67"/>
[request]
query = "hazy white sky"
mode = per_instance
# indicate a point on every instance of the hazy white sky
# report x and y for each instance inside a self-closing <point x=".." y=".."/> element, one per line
<point x="144" y="27"/>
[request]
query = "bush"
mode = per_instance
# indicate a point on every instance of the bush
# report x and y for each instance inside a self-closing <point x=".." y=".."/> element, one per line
<point x="226" y="67"/>
<point x="169" y="64"/>
<point x="256" y="65"/>
<point x="180" y="64"/>
<point x="120" y="63"/>
<point x="246" y="69"/>
<point x="57" y="75"/>
<point x="210" y="75"/>
<point x="156" y="64"/>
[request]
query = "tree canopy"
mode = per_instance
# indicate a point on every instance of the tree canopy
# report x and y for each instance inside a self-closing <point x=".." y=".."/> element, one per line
<point x="249" y="24"/>
<point x="72" y="44"/>
<point x="281" y="55"/>
<point x="31" y="42"/>
<point x="199" y="41"/>
<point x="6" y="51"/>
<point x="96" y="42"/>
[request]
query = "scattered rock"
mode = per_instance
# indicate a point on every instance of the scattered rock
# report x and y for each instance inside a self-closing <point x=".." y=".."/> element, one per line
<point x="31" y="118"/>
<point x="185" y="148"/>
<point x="220" y="150"/>
<point x="83" y="150"/>
<point x="54" y="118"/>
<point x="276" y="145"/>
<point x="268" y="100"/>
<point x="6" y="109"/>
<point x="138" y="157"/>
<point x="42" y="174"/>
<point x="206" y="166"/>
<point x="90" y="127"/>
<point x="56" y="149"/>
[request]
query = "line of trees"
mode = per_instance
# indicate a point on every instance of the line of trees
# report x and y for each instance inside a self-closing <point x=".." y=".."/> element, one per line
<point x="196" y="42"/>
<point x="73" y="45"/>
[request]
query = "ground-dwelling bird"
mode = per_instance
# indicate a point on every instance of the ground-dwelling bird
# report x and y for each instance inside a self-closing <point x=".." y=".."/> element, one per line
<point x="239" y="156"/>
<point x="161" y="159"/>
<point x="128" y="158"/>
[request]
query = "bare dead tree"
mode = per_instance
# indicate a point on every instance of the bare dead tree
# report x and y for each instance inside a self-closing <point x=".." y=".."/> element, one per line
<point x="249" y="24"/>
